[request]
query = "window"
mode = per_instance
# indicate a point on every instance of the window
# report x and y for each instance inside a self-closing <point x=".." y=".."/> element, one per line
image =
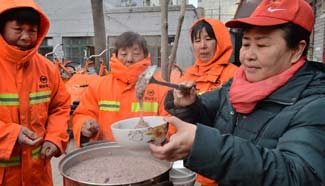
<point x="147" y="2"/>
<point x="75" y="47"/>
<point x="46" y="46"/>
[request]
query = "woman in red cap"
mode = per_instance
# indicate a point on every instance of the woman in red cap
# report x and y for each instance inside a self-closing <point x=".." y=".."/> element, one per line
<point x="267" y="125"/>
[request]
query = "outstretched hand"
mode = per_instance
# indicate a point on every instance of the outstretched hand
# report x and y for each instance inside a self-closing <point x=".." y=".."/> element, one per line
<point x="179" y="145"/>
<point x="184" y="98"/>
<point x="28" y="137"/>
<point x="90" y="128"/>
<point x="49" y="150"/>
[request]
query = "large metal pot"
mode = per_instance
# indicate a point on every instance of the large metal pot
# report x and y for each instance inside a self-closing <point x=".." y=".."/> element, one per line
<point x="101" y="149"/>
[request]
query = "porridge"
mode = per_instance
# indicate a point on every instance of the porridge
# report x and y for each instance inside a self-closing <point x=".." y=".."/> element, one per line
<point x="116" y="169"/>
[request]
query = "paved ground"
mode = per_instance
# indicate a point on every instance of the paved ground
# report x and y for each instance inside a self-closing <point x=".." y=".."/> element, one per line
<point x="57" y="178"/>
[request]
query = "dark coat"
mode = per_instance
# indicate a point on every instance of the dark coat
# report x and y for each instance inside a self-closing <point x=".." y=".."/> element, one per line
<point x="282" y="142"/>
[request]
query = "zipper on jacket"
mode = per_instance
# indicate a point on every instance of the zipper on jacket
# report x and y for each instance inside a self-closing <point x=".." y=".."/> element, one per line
<point x="258" y="136"/>
<point x="237" y="119"/>
<point x="280" y="102"/>
<point x="236" y="122"/>
<point x="262" y="131"/>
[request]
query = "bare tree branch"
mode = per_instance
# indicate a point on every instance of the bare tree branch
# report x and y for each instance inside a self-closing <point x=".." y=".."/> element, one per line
<point x="164" y="39"/>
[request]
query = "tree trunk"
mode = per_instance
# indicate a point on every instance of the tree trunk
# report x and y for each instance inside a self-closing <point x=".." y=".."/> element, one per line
<point x="173" y="52"/>
<point x="164" y="39"/>
<point x="99" y="30"/>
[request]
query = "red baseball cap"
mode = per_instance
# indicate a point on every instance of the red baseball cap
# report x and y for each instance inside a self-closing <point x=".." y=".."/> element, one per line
<point x="275" y="12"/>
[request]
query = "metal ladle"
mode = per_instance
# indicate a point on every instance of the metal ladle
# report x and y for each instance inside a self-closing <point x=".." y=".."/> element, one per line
<point x="144" y="79"/>
<point x="148" y="75"/>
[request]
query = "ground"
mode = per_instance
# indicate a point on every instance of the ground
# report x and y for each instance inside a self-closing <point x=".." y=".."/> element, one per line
<point x="57" y="178"/>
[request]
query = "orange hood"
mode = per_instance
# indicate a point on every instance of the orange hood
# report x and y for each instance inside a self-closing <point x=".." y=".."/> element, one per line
<point x="223" y="47"/>
<point x="12" y="54"/>
<point x="128" y="74"/>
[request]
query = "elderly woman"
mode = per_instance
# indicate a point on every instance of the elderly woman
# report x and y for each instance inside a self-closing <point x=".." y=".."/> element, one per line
<point x="267" y="125"/>
<point x="113" y="97"/>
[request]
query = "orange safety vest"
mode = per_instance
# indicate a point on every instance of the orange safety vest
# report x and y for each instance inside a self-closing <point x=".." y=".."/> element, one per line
<point x="113" y="98"/>
<point x="78" y="84"/>
<point x="32" y="95"/>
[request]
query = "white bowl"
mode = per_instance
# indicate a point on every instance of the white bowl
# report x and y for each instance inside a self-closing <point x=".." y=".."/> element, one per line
<point x="189" y="182"/>
<point x="128" y="136"/>
<point x="181" y="175"/>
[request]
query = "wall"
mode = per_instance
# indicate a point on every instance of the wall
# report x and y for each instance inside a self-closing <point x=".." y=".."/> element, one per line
<point x="219" y="9"/>
<point x="319" y="32"/>
<point x="146" y="21"/>
<point x="74" y="19"/>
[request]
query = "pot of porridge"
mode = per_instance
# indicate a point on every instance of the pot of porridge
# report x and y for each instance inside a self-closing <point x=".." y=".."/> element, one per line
<point x="104" y="163"/>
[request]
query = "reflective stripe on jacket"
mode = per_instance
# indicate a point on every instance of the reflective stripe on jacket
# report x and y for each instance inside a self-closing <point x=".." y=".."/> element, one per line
<point x="114" y="106"/>
<point x="15" y="160"/>
<point x="113" y="98"/>
<point x="32" y="95"/>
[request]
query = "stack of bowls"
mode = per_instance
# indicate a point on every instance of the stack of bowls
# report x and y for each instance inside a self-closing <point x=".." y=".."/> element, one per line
<point x="182" y="177"/>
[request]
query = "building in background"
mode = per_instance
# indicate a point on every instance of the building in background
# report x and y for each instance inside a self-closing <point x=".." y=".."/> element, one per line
<point x="146" y="21"/>
<point x="138" y="3"/>
<point x="72" y="25"/>
<point x="317" y="45"/>
<point x="219" y="9"/>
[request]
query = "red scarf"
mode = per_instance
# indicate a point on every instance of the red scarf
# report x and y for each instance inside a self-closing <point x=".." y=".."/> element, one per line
<point x="244" y="95"/>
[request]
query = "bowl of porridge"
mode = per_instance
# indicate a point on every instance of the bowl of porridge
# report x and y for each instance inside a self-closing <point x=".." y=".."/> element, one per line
<point x="135" y="133"/>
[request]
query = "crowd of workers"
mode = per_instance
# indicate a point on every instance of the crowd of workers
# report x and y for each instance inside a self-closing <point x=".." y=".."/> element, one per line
<point x="257" y="124"/>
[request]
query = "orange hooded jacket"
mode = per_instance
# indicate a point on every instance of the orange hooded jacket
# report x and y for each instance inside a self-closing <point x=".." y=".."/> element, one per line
<point x="113" y="98"/>
<point x="33" y="95"/>
<point x="214" y="73"/>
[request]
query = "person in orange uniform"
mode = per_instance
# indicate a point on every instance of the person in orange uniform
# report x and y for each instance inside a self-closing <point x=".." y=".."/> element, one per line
<point x="34" y="105"/>
<point x="113" y="97"/>
<point x="212" y="50"/>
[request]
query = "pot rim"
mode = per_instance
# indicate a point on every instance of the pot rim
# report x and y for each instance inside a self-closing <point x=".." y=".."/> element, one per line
<point x="98" y="145"/>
